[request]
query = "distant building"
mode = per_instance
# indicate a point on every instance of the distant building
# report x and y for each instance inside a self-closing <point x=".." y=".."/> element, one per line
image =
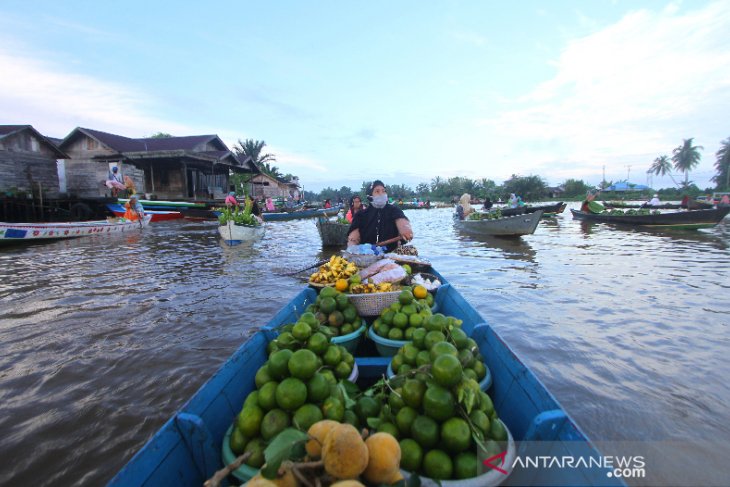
<point x="28" y="161"/>
<point x="555" y="191"/>
<point x="266" y="186"/>
<point x="625" y="186"/>
<point x="192" y="167"/>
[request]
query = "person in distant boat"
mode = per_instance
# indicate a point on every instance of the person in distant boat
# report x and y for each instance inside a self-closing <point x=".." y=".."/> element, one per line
<point x="134" y="210"/>
<point x="513" y="203"/>
<point x="379" y="222"/>
<point x="487" y="203"/>
<point x="114" y="181"/>
<point x="427" y="204"/>
<point x="725" y="200"/>
<point x="464" y="209"/>
<point x="255" y="209"/>
<point x="129" y="185"/>
<point x="327" y="203"/>
<point x="231" y="200"/>
<point x="270" y="204"/>
<point x="655" y="201"/>
<point x="355" y="206"/>
<point x="590" y="196"/>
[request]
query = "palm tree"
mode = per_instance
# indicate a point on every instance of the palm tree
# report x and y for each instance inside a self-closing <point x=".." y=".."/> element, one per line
<point x="253" y="148"/>
<point x="723" y="164"/>
<point x="686" y="157"/>
<point x="662" y="167"/>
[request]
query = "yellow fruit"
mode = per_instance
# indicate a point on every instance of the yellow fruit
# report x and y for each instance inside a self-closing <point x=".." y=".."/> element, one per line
<point x="420" y="292"/>
<point x="395" y="477"/>
<point x="318" y="432"/>
<point x="286" y="480"/>
<point x="344" y="452"/>
<point x="341" y="285"/>
<point x="384" y="454"/>
<point x="347" y="483"/>
<point x="259" y="481"/>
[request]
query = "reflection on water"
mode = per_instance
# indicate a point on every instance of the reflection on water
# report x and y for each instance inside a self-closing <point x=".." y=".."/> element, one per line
<point x="102" y="339"/>
<point x="508" y="247"/>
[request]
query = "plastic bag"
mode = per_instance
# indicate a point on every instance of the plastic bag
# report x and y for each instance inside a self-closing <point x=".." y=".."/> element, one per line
<point x="373" y="269"/>
<point x="391" y="274"/>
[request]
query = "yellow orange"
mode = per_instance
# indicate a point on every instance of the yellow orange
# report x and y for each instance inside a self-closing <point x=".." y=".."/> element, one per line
<point x="419" y="292"/>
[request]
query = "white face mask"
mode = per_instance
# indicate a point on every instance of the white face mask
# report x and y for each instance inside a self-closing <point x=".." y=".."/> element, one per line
<point x="380" y="200"/>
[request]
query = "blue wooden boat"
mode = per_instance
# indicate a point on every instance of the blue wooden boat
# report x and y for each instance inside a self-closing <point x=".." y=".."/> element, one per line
<point x="187" y="450"/>
<point x="299" y="214"/>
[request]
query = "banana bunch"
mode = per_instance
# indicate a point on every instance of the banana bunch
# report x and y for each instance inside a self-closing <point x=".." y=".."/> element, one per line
<point x="337" y="268"/>
<point x="365" y="288"/>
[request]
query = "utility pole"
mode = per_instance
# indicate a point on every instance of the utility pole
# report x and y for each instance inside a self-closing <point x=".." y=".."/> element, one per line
<point x="628" y="174"/>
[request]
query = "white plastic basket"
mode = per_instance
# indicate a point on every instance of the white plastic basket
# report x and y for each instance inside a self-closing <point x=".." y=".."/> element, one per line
<point x="372" y="304"/>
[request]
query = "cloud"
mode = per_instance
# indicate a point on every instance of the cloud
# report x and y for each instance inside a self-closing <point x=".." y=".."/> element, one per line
<point x="470" y="37"/>
<point x="628" y="92"/>
<point x="55" y="101"/>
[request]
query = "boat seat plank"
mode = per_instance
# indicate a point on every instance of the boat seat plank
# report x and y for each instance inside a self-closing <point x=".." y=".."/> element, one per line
<point x="206" y="457"/>
<point x="150" y="466"/>
<point x="372" y="367"/>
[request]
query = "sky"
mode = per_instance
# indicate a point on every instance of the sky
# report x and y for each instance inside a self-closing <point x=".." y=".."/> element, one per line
<point x="403" y="91"/>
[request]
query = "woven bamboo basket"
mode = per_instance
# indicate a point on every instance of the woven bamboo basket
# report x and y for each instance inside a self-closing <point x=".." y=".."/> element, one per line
<point x="372" y="304"/>
<point x="333" y="234"/>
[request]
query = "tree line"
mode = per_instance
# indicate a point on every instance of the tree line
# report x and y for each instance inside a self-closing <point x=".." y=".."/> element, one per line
<point x="684" y="158"/>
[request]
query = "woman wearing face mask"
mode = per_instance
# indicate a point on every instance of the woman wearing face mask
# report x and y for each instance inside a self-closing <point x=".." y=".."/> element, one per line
<point x="380" y="221"/>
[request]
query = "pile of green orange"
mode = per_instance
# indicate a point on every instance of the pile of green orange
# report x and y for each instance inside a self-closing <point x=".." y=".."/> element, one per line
<point x="435" y="408"/>
<point x="399" y="320"/>
<point x="334" y="310"/>
<point x="420" y="351"/>
<point x="296" y="387"/>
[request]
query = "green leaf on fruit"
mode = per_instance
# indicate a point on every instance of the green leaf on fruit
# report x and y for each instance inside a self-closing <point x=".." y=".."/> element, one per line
<point x="281" y="449"/>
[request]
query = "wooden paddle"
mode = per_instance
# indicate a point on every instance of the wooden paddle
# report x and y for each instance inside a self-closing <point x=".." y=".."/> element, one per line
<point x="391" y="240"/>
<point x="316" y="264"/>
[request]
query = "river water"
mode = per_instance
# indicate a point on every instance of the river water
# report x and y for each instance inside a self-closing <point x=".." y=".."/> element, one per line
<point x="102" y="339"/>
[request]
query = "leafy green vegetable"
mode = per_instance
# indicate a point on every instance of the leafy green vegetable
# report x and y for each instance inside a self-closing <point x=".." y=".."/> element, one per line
<point x="238" y="216"/>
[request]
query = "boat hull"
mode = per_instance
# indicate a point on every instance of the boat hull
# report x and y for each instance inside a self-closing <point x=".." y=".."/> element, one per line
<point x="333" y="234"/>
<point x="691" y="219"/>
<point x="240" y="234"/>
<point x="298" y="215"/>
<point x="157" y="215"/>
<point x="187" y="450"/>
<point x="34" y="232"/>
<point x="510" y="226"/>
<point x="547" y="210"/>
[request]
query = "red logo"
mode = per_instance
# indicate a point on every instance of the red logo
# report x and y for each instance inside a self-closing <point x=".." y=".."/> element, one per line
<point x="500" y="456"/>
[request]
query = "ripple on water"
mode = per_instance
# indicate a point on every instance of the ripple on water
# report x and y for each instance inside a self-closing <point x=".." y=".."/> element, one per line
<point x="103" y="339"/>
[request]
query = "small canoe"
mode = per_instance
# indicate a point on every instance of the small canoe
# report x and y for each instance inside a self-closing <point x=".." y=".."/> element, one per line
<point x="333" y="234"/>
<point x="300" y="214"/>
<point x="234" y="234"/>
<point x="166" y="205"/>
<point x="507" y="226"/>
<point x="690" y="219"/>
<point x="187" y="449"/>
<point x="157" y="215"/>
<point x="36" y="232"/>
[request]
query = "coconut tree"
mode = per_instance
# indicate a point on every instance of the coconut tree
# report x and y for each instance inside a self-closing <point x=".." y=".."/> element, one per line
<point x="661" y="167"/>
<point x="723" y="165"/>
<point x="686" y="157"/>
<point x="253" y="148"/>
